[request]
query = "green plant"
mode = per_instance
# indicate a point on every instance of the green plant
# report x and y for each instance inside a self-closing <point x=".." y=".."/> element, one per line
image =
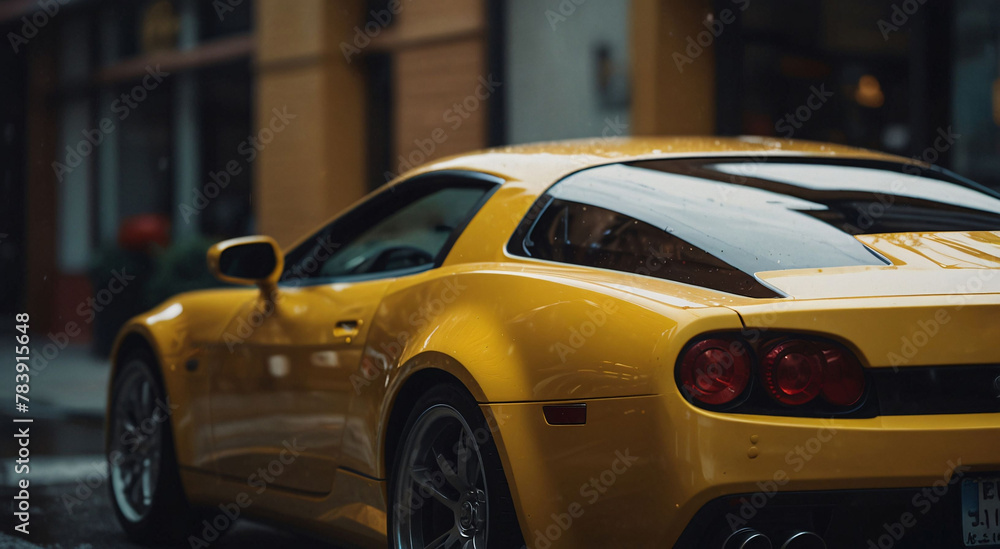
<point x="180" y="268"/>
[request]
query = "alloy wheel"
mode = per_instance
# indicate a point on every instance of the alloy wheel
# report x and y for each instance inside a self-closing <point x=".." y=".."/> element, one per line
<point x="136" y="444"/>
<point x="441" y="498"/>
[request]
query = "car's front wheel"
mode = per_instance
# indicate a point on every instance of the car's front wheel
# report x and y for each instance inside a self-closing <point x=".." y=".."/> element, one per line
<point x="447" y="487"/>
<point x="145" y="485"/>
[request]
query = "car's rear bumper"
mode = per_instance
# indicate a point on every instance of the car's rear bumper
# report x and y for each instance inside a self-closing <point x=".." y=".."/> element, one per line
<point x="642" y="468"/>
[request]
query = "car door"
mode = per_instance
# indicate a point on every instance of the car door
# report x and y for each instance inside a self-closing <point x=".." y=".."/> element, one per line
<point x="279" y="395"/>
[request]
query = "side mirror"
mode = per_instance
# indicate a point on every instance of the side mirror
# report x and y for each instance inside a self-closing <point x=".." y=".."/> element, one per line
<point x="248" y="260"/>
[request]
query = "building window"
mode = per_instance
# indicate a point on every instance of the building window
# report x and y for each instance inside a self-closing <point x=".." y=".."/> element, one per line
<point x="225" y="18"/>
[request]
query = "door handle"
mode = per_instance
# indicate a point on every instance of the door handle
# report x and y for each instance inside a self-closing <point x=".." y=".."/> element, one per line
<point x="346" y="328"/>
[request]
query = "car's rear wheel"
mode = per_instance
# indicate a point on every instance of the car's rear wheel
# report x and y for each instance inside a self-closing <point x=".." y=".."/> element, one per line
<point x="145" y="485"/>
<point x="447" y="487"/>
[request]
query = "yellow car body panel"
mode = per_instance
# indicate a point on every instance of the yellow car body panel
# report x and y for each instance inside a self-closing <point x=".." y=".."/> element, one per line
<point x="176" y="331"/>
<point x="498" y="324"/>
<point x="683" y="457"/>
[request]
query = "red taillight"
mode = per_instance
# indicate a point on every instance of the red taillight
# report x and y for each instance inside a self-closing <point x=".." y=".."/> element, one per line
<point x="844" y="380"/>
<point x="716" y="371"/>
<point x="796" y="371"/>
<point x="792" y="372"/>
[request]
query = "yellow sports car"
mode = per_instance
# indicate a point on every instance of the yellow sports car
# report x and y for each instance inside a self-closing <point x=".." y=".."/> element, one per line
<point x="691" y="342"/>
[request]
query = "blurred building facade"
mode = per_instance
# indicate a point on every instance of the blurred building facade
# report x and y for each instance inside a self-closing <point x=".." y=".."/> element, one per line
<point x="230" y="117"/>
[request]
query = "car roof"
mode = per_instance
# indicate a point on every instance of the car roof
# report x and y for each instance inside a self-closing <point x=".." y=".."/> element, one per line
<point x="538" y="165"/>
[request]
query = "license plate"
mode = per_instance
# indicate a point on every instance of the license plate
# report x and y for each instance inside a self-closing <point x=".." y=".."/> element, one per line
<point x="981" y="511"/>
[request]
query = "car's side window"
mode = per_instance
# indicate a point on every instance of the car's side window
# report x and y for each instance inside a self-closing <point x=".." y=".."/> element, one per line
<point x="592" y="236"/>
<point x="407" y="228"/>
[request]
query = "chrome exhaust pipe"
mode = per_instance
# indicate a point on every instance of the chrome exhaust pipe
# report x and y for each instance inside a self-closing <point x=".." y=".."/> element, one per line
<point x="747" y="538"/>
<point x="804" y="540"/>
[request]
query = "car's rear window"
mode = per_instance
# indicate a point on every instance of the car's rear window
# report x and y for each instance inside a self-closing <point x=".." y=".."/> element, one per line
<point x="716" y="223"/>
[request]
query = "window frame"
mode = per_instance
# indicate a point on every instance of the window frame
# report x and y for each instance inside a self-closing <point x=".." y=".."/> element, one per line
<point x="365" y="215"/>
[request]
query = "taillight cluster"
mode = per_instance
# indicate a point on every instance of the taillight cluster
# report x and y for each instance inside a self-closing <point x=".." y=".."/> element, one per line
<point x="722" y="370"/>
<point x="717" y="370"/>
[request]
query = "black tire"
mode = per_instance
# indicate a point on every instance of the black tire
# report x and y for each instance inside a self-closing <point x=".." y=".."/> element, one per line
<point x="434" y="418"/>
<point x="164" y="515"/>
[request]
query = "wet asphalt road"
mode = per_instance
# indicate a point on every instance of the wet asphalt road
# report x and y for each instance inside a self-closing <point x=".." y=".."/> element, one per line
<point x="93" y="526"/>
<point x="64" y="453"/>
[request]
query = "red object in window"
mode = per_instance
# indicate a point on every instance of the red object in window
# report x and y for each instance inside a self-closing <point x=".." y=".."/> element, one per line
<point x="138" y="233"/>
